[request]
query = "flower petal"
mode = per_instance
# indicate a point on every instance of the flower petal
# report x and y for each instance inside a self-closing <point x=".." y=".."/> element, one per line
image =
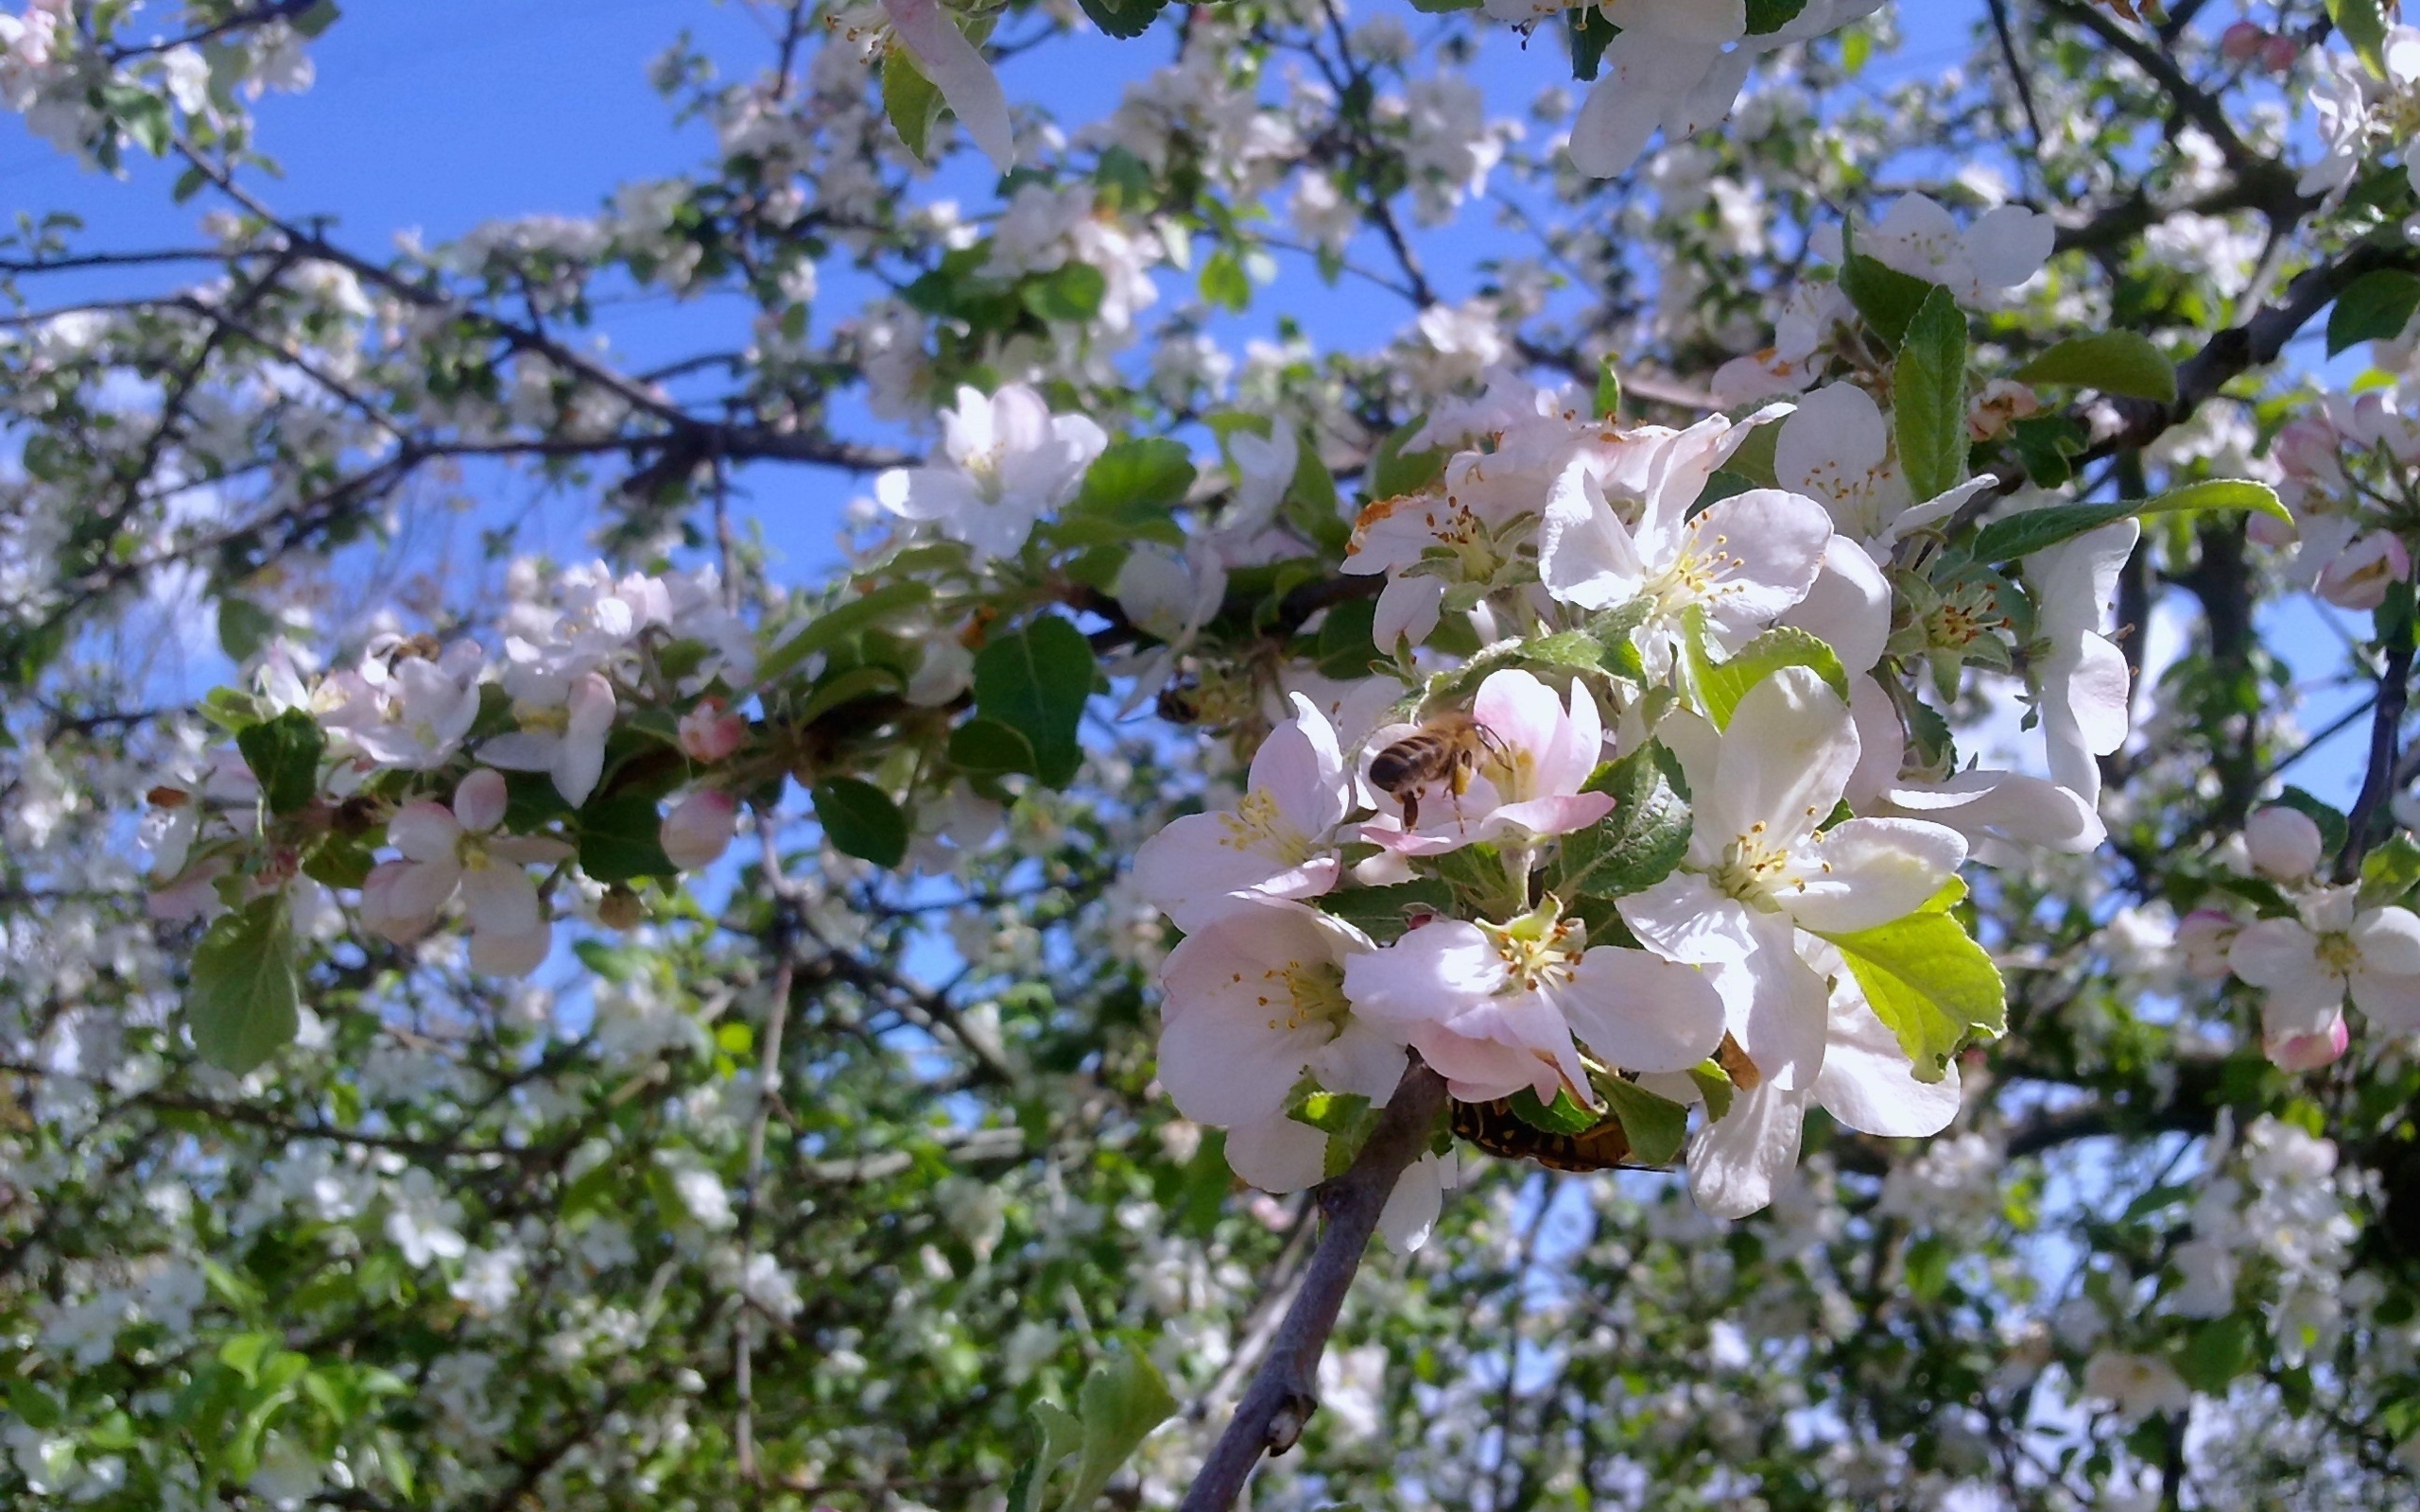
<point x="958" y="71"/>
<point x="1735" y="1160"/>
<point x="1864" y="873"/>
<point x="1867" y="1081"/>
<point x="1641" y="1012"/>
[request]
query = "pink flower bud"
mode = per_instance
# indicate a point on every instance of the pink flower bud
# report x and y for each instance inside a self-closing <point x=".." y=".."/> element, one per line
<point x="2280" y="54"/>
<point x="698" y="830"/>
<point x="2308" y="1052"/>
<point x="709" y="732"/>
<point x="480" y="800"/>
<point x="2243" y="41"/>
<point x="2359" y="579"/>
<point x="2270" y="531"/>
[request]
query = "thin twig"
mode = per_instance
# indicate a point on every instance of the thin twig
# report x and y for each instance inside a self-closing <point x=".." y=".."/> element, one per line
<point x="1285" y="1391"/>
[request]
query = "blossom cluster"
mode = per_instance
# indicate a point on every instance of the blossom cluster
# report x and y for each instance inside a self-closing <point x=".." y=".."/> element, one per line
<point x="2347" y="469"/>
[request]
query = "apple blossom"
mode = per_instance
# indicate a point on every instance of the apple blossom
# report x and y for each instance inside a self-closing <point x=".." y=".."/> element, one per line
<point x="1493" y="1008"/>
<point x="2283" y="844"/>
<point x="699" y="830"/>
<point x="449" y="850"/>
<point x="2329" y="950"/>
<point x="2082" y="680"/>
<point x="1759" y="869"/>
<point x="1277" y="842"/>
<point x="1533" y="755"/>
<point x="1837" y="449"/>
<point x="712" y="731"/>
<point x="1008" y="462"/>
<point x="957" y="68"/>
<point x="566" y="742"/>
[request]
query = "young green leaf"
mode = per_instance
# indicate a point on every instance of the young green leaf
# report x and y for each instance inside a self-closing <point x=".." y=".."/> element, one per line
<point x="285" y="754"/>
<point x="1656" y="1126"/>
<point x="243" y="991"/>
<point x="860" y="820"/>
<point x="1720" y="685"/>
<point x="2022" y="534"/>
<point x="1929" y="982"/>
<point x="2374" y="308"/>
<point x="1635" y="846"/>
<point x="1929" y="397"/>
<point x="2114" y="362"/>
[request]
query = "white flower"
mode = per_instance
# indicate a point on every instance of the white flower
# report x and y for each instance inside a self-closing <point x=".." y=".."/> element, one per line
<point x="423" y="1221"/>
<point x="409" y="711"/>
<point x="957" y="68"/>
<point x="2005" y="247"/>
<point x="2308" y="964"/>
<point x="1758" y="870"/>
<point x="449" y="850"/>
<point x="1255" y="1000"/>
<point x="2137" y="1385"/>
<point x="1836" y="448"/>
<point x="699" y="830"/>
<point x="1493" y="1007"/>
<point x="566" y="742"/>
<point x="2283" y="844"/>
<point x="1276" y="843"/>
<point x="1010" y="462"/>
<point x="1743" y="560"/>
<point x="2082" y="681"/>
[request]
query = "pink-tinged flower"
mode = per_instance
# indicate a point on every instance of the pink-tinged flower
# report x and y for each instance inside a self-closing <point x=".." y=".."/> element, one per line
<point x="712" y="730"/>
<point x="2310" y="963"/>
<point x="2283" y="844"/>
<point x="2308" y="1052"/>
<point x="1758" y="870"/>
<point x="2243" y="41"/>
<point x="2083" y="687"/>
<point x="1278" y="842"/>
<point x="2004" y="816"/>
<point x="699" y="830"/>
<point x="1743" y="560"/>
<point x="1255" y="1000"/>
<point x="1008" y="461"/>
<point x="1493" y="1007"/>
<point x="2360" y="577"/>
<point x="453" y="850"/>
<point x="1533" y="755"/>
<point x="957" y="68"/>
<point x="566" y="742"/>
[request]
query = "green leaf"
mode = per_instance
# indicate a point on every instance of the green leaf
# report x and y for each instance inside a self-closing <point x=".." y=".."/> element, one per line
<point x="1887" y="298"/>
<point x="1150" y="473"/>
<point x="619" y="840"/>
<point x="2044" y="444"/>
<point x="285" y="754"/>
<point x="1121" y="1401"/>
<point x="244" y="628"/>
<point x="2374" y="308"/>
<point x="987" y="747"/>
<point x="1609" y="378"/>
<point x="1656" y="1127"/>
<point x="829" y="630"/>
<point x="1929" y="397"/>
<point x="242" y="992"/>
<point x="1562" y="1116"/>
<point x="2220" y="1350"/>
<point x="912" y="101"/>
<point x="1224" y="283"/>
<point x="1714" y="1085"/>
<point x="1384" y="914"/>
<point x="317" y="19"/>
<point x="1346" y="644"/>
<point x="2022" y="534"/>
<point x="1036" y="681"/>
<point x="1070" y="294"/>
<point x="1591" y="34"/>
<point x="2114" y="362"/>
<point x="1930" y="983"/>
<point x="860" y="820"/>
<point x="1394" y="472"/>
<point x="1720" y="685"/>
<point x="1767" y="16"/>
<point x="1928" y="1267"/>
<point x="2363" y="23"/>
<point x="2390" y="871"/>
<point x="1123" y="18"/>
<point x="1635" y="846"/>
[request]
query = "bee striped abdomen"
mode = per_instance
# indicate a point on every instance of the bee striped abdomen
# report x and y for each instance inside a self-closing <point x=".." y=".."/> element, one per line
<point x="1496" y="1128"/>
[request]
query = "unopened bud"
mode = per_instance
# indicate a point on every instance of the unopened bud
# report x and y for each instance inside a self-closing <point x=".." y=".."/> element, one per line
<point x="2243" y="41"/>
<point x="621" y="908"/>
<point x="710" y="731"/>
<point x="698" y="830"/>
<point x="2279" y="55"/>
<point x="2284" y="844"/>
<point x="2358" y="578"/>
<point x="2308" y="1052"/>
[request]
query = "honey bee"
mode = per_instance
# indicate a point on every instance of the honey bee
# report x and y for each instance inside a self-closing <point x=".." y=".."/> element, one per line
<point x="1445" y="749"/>
<point x="1496" y="1128"/>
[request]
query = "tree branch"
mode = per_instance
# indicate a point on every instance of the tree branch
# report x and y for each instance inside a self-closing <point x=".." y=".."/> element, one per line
<point x="1285" y="1392"/>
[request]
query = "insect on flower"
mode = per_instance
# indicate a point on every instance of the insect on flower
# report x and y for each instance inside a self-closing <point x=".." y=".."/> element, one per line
<point x="1446" y="750"/>
<point x="1497" y="1129"/>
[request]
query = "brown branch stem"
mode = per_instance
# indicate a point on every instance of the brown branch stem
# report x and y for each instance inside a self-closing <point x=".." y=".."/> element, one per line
<point x="1285" y="1391"/>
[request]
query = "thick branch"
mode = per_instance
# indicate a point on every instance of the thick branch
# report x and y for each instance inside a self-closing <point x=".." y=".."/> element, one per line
<point x="1285" y="1391"/>
<point x="2386" y="734"/>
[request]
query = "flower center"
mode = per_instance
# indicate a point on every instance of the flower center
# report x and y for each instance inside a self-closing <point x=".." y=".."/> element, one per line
<point x="1257" y="825"/>
<point x="2337" y="953"/>
<point x="1540" y="949"/>
<point x="1314" y="995"/>
<point x="1753" y="865"/>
